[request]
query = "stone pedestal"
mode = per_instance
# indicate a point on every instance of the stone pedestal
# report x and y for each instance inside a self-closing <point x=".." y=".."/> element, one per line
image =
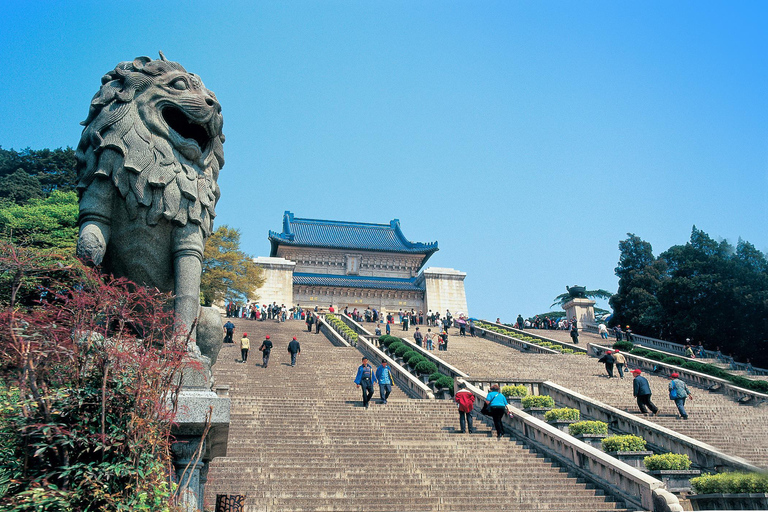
<point x="278" y="284"/>
<point x="192" y="451"/>
<point x="582" y="309"/>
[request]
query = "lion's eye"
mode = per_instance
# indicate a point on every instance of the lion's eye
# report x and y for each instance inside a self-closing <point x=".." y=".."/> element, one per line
<point x="180" y="84"/>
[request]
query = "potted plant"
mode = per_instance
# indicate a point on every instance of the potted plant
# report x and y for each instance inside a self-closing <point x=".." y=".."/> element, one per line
<point x="425" y="369"/>
<point x="629" y="449"/>
<point x="562" y="418"/>
<point x="673" y="469"/>
<point x="730" y="491"/>
<point x="514" y="394"/>
<point x="444" y="384"/>
<point x="537" y="405"/>
<point x="590" y="432"/>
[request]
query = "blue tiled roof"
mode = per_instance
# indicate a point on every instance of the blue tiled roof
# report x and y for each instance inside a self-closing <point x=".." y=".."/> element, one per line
<point x="377" y="283"/>
<point x="346" y="235"/>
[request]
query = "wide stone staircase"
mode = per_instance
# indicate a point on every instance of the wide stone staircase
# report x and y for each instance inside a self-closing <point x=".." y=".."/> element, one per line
<point x="735" y="429"/>
<point x="300" y="440"/>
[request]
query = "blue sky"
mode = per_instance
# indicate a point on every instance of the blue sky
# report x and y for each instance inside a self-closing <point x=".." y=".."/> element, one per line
<point x="527" y="138"/>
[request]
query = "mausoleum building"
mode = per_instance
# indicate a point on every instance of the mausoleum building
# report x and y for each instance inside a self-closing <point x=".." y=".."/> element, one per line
<point x="356" y="264"/>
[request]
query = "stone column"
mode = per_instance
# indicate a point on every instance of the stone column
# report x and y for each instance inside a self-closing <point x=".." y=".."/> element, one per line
<point x="198" y="408"/>
<point x="582" y="309"/>
<point x="443" y="290"/>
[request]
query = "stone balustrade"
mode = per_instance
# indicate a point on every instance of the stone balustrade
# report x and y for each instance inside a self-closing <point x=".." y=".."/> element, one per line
<point x="513" y="331"/>
<point x="697" y="379"/>
<point x="367" y="345"/>
<point x="635" y="487"/>
<point x="513" y="342"/>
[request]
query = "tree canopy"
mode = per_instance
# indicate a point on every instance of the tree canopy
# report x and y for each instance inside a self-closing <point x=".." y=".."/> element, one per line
<point x="228" y="273"/>
<point x="44" y="223"/>
<point x="31" y="173"/>
<point x="705" y="290"/>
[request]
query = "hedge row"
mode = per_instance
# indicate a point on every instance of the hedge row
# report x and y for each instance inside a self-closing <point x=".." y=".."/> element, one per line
<point x="420" y="364"/>
<point x="760" y="386"/>
<point x="528" y="339"/>
<point x="342" y="328"/>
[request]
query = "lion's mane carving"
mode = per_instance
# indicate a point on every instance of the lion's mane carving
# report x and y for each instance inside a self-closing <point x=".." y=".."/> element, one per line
<point x="155" y="131"/>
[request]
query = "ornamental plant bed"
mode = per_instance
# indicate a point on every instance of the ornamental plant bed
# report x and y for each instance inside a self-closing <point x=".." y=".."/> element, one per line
<point x="676" y="480"/>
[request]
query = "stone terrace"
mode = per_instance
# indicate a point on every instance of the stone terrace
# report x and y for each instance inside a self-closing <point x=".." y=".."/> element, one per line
<point x="735" y="429"/>
<point x="300" y="440"/>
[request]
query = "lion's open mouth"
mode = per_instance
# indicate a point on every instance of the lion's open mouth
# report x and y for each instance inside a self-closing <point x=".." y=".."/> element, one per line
<point x="188" y="129"/>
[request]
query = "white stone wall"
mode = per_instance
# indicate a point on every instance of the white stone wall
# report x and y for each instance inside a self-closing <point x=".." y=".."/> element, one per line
<point x="278" y="284"/>
<point x="444" y="289"/>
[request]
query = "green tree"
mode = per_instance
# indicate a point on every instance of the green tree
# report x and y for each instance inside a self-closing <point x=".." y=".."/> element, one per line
<point x="561" y="299"/>
<point x="228" y="273"/>
<point x="640" y="275"/>
<point x="53" y="168"/>
<point x="49" y="223"/>
<point x="20" y="187"/>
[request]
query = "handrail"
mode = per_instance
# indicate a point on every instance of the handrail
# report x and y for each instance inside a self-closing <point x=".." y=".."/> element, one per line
<point x="564" y="344"/>
<point x="615" y="477"/>
<point x="678" y="349"/>
<point x="406" y="380"/>
<point x="699" y="379"/>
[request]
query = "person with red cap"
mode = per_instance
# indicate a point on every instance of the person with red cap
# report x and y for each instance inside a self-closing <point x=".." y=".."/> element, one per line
<point x="642" y="391"/>
<point x="295" y="349"/>
<point x="678" y="391"/>
<point x="266" y="348"/>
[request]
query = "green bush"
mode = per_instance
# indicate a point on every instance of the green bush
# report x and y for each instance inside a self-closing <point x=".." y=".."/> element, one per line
<point x="676" y="361"/>
<point x="444" y="382"/>
<point x="538" y="401"/>
<point x="546" y="344"/>
<point x="426" y="368"/>
<point x="628" y="443"/>
<point x="434" y="376"/>
<point x="730" y="483"/>
<point x="387" y="340"/>
<point x="588" y="427"/>
<point x="518" y="390"/>
<point x="395" y="345"/>
<point x="580" y="353"/>
<point x="567" y="351"/>
<point x="402" y="350"/>
<point x="563" y="414"/>
<point x="624" y="346"/>
<point x="642" y="352"/>
<point x="667" y="461"/>
<point x="656" y="356"/>
<point x="414" y="358"/>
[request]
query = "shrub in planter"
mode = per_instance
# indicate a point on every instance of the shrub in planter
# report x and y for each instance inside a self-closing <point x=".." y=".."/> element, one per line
<point x="730" y="483"/>
<point x="667" y="461"/>
<point x="624" y="346"/>
<point x="642" y="352"/>
<point x="546" y="344"/>
<point x="394" y="346"/>
<point x="444" y="382"/>
<point x="579" y="353"/>
<point x="564" y="414"/>
<point x="434" y="376"/>
<point x="538" y="401"/>
<point x="656" y="356"/>
<point x="387" y="340"/>
<point x="673" y="360"/>
<point x="518" y="390"/>
<point x="426" y="368"/>
<point x="628" y="443"/>
<point x="588" y="427"/>
<point x="402" y="350"/>
<point x="567" y="351"/>
<point x="414" y="358"/>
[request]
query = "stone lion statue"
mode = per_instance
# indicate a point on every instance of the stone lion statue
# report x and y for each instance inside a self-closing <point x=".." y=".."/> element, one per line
<point x="147" y="166"/>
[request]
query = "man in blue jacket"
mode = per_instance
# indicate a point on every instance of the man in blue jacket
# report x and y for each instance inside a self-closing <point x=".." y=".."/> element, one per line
<point x="642" y="390"/>
<point x="384" y="376"/>
<point x="366" y="378"/>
